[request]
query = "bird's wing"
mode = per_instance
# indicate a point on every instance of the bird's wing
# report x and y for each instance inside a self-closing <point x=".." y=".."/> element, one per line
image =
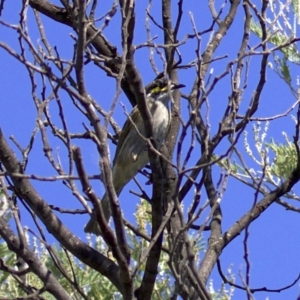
<point x="130" y="143"/>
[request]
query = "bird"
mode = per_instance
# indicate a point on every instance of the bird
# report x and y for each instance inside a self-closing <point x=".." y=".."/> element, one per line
<point x="131" y="153"/>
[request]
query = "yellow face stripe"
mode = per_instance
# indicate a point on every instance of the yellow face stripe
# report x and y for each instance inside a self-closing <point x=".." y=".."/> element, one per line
<point x="155" y="90"/>
<point x="158" y="90"/>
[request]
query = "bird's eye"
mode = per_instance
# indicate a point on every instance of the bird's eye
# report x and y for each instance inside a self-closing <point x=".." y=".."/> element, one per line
<point x="162" y="84"/>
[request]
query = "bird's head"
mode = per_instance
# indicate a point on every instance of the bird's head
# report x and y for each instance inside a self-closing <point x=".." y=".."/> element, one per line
<point x="161" y="88"/>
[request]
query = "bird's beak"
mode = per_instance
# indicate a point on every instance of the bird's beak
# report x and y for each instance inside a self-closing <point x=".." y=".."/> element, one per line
<point x="177" y="86"/>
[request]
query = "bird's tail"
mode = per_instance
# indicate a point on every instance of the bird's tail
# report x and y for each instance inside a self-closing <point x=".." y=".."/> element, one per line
<point x="92" y="226"/>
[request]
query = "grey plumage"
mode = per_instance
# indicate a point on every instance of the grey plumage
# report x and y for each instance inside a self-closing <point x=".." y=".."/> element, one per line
<point x="131" y="152"/>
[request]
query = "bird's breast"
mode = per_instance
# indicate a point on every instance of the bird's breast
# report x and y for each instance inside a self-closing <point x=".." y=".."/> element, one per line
<point x="160" y="120"/>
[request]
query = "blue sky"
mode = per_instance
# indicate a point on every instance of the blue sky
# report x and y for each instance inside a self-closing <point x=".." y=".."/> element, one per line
<point x="273" y="241"/>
